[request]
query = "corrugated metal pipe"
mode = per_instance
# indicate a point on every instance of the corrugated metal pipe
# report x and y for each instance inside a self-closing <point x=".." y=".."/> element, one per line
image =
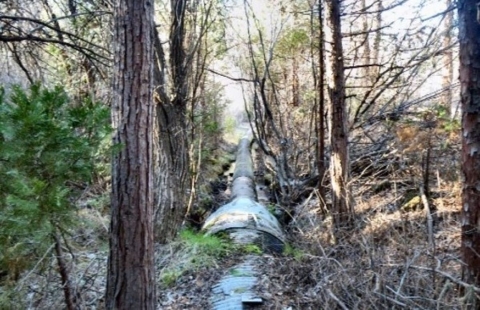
<point x="246" y="222"/>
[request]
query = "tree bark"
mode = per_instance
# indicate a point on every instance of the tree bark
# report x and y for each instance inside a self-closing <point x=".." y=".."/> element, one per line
<point x="130" y="279"/>
<point x="374" y="72"/>
<point x="448" y="61"/>
<point x="366" y="57"/>
<point x="173" y="170"/>
<point x="64" y="273"/>
<point x="341" y="207"/>
<point x="320" y="124"/>
<point x="173" y="175"/>
<point x="469" y="37"/>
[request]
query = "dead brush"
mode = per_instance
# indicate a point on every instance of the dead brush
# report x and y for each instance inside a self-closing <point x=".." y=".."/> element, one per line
<point x="385" y="262"/>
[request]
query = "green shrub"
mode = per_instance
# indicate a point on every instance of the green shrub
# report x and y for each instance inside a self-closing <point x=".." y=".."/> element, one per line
<point x="11" y="299"/>
<point x="46" y="145"/>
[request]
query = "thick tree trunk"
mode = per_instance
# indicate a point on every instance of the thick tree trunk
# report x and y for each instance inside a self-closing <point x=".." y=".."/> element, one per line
<point x="172" y="178"/>
<point x="130" y="280"/>
<point x="341" y="208"/>
<point x="469" y="37"/>
<point x="173" y="175"/>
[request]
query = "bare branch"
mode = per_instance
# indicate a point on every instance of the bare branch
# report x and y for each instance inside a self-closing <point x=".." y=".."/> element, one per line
<point x="232" y="78"/>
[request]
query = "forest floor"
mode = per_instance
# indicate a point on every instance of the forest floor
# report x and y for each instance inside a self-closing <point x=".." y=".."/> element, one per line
<point x="389" y="258"/>
<point x="401" y="252"/>
<point x="384" y="262"/>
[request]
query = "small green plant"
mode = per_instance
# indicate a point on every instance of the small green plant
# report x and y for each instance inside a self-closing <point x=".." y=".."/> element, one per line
<point x="447" y="123"/>
<point x="213" y="246"/>
<point x="452" y="125"/>
<point x="235" y="272"/>
<point x="271" y="208"/>
<point x="441" y="111"/>
<point x="169" y="278"/>
<point x="229" y="124"/>
<point x="289" y="250"/>
<point x="195" y="250"/>
<point x="240" y="290"/>
<point x="252" y="249"/>
<point x="100" y="202"/>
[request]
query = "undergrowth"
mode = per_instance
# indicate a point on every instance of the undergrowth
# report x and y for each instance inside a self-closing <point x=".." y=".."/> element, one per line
<point x="195" y="250"/>
<point x="50" y="149"/>
<point x="216" y="246"/>
<point x="191" y="251"/>
<point x="384" y="262"/>
<point x="291" y="251"/>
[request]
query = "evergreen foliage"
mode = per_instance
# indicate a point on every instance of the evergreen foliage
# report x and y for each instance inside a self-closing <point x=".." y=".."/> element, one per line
<point x="47" y="144"/>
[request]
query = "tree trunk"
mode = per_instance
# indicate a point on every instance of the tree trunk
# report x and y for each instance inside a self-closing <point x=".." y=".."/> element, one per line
<point x="341" y="208"/>
<point x="376" y="43"/>
<point x="366" y="57"/>
<point x="64" y="273"/>
<point x="130" y="279"/>
<point x="469" y="37"/>
<point x="173" y="175"/>
<point x="448" y="62"/>
<point x="320" y="124"/>
<point x="173" y="170"/>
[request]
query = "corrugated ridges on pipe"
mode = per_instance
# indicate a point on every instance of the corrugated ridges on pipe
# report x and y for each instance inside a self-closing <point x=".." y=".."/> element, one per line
<point x="247" y="222"/>
<point x="243" y="211"/>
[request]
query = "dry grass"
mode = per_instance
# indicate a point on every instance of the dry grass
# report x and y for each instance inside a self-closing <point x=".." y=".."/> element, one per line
<point x="384" y="262"/>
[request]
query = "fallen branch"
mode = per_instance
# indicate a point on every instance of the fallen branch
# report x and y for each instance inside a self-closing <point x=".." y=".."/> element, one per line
<point x="440" y="272"/>
<point x="401" y="304"/>
<point x="22" y="282"/>
<point x="339" y="302"/>
<point x="431" y="240"/>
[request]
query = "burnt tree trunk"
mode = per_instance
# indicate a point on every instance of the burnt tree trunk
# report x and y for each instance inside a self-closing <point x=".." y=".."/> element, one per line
<point x="130" y="278"/>
<point x="341" y="208"/>
<point x="469" y="37"/>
